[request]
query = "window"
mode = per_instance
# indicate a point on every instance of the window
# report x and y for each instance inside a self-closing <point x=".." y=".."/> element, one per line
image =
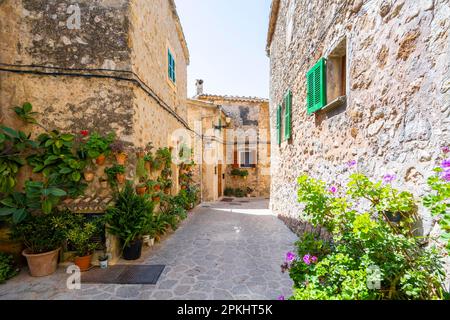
<point x="316" y="87"/>
<point x="172" y="69"/>
<point x="247" y="158"/>
<point x="284" y="119"/>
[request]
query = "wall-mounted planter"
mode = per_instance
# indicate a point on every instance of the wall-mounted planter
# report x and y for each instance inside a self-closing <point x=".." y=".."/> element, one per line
<point x="121" y="158"/>
<point x="100" y="160"/>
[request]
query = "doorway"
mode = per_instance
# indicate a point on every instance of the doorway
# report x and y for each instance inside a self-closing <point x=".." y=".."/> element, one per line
<point x="219" y="178"/>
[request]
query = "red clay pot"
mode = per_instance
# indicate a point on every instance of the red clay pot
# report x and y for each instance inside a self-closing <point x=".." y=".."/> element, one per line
<point x="84" y="263"/>
<point x="42" y="264"/>
<point x="120" y="178"/>
<point x="121" y="158"/>
<point x="141" y="190"/>
<point x="100" y="160"/>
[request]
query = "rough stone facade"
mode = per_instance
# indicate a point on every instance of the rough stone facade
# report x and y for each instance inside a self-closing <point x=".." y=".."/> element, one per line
<point x="249" y="118"/>
<point x="395" y="114"/>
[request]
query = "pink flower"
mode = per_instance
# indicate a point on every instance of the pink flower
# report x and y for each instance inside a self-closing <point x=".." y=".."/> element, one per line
<point x="84" y="133"/>
<point x="445" y="149"/>
<point x="307" y="259"/>
<point x="290" y="257"/>
<point x="281" y="298"/>
<point x="314" y="259"/>
<point x="333" y="189"/>
<point x="446" y="175"/>
<point x="388" y="178"/>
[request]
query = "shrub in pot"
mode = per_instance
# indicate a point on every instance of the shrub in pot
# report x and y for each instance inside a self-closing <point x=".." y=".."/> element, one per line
<point x="80" y="236"/>
<point x="116" y="174"/>
<point x="97" y="147"/>
<point x="128" y="218"/>
<point x="43" y="236"/>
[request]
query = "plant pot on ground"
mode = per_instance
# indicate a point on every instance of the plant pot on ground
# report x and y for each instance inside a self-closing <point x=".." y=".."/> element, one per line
<point x="43" y="236"/>
<point x="128" y="218"/>
<point x="103" y="261"/>
<point x="80" y="236"/>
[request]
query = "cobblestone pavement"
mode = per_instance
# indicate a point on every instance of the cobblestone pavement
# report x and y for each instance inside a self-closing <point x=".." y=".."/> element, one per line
<point x="223" y="251"/>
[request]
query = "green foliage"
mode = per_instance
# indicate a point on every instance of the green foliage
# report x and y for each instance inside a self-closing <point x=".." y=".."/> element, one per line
<point x="80" y="236"/>
<point x="112" y="172"/>
<point x="98" y="144"/>
<point x="26" y="114"/>
<point x="239" y="173"/>
<point x="42" y="233"/>
<point x="229" y="192"/>
<point x="239" y="193"/>
<point x="59" y="162"/>
<point x="362" y="239"/>
<point x="129" y="217"/>
<point x="141" y="173"/>
<point x="12" y="146"/>
<point x="164" y="155"/>
<point x="438" y="203"/>
<point x="7" y="267"/>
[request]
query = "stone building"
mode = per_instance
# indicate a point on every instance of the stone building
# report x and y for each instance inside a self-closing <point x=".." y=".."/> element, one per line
<point x="357" y="80"/>
<point x="110" y="65"/>
<point x="104" y="66"/>
<point x="241" y="125"/>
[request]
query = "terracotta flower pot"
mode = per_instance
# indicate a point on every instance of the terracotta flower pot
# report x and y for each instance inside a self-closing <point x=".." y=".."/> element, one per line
<point x="100" y="160"/>
<point x="141" y="190"/>
<point x="156" y="199"/>
<point x="157" y="188"/>
<point x="140" y="154"/>
<point x="84" y="263"/>
<point x="183" y="187"/>
<point x="89" y="176"/>
<point x="42" y="264"/>
<point x="121" y="158"/>
<point x="120" y="178"/>
<point x="167" y="190"/>
<point x="148" y="166"/>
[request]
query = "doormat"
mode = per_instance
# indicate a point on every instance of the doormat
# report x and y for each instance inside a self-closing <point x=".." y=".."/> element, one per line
<point x="227" y="199"/>
<point x="124" y="274"/>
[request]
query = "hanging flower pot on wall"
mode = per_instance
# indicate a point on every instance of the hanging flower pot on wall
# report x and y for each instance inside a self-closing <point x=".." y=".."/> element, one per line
<point x="100" y="160"/>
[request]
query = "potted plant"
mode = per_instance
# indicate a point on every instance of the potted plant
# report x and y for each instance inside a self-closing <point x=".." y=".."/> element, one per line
<point x="43" y="236"/>
<point x="79" y="237"/>
<point x="141" y="188"/>
<point x="103" y="182"/>
<point x="156" y="197"/>
<point x="168" y="186"/>
<point x="89" y="174"/>
<point x="97" y="147"/>
<point x="140" y="153"/>
<point x="148" y="160"/>
<point x="119" y="150"/>
<point x="103" y="260"/>
<point x="116" y="173"/>
<point x="127" y="220"/>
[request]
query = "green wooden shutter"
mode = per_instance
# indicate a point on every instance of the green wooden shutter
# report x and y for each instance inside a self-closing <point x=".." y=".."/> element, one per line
<point x="171" y="63"/>
<point x="288" y="115"/>
<point x="279" y="125"/>
<point x="174" y="77"/>
<point x="316" y="87"/>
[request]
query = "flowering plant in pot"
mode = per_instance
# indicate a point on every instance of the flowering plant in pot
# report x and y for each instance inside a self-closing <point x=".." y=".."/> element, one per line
<point x="119" y="150"/>
<point x="97" y="147"/>
<point x="128" y="218"/>
<point x="79" y="236"/>
<point x="43" y="236"/>
<point x="116" y="174"/>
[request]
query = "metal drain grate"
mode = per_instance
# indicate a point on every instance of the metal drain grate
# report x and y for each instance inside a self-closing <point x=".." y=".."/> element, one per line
<point x="124" y="274"/>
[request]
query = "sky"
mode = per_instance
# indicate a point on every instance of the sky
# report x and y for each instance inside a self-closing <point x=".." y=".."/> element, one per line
<point x="227" y="41"/>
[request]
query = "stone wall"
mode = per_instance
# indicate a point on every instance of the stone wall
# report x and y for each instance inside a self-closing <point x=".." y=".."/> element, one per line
<point x="397" y="111"/>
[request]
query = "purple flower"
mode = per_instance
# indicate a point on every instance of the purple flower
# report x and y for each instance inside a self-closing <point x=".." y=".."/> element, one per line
<point x="307" y="259"/>
<point x="445" y="164"/>
<point x="281" y="298"/>
<point x="314" y="259"/>
<point x="351" y="163"/>
<point x="388" y="178"/>
<point x="446" y="175"/>
<point x="445" y="149"/>
<point x="290" y="257"/>
<point x="333" y="189"/>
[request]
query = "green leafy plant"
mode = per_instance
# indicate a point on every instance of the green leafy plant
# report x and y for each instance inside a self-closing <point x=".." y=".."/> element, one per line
<point x="97" y="144"/>
<point x="112" y="172"/>
<point x="438" y="199"/>
<point x="229" y="192"/>
<point x="7" y="267"/>
<point x="362" y="238"/>
<point x="164" y="155"/>
<point x="129" y="216"/>
<point x="13" y="145"/>
<point x="239" y="173"/>
<point x="239" y="193"/>
<point x="26" y="114"/>
<point x="42" y="233"/>
<point x="141" y="173"/>
<point x="80" y="236"/>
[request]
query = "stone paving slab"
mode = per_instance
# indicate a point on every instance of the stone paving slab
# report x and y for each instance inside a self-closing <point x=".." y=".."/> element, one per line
<point x="219" y="252"/>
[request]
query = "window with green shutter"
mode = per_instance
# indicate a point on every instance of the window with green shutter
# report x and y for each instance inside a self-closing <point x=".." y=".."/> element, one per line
<point x="279" y="125"/>
<point x="288" y="115"/>
<point x="317" y="87"/>
<point x="171" y="64"/>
